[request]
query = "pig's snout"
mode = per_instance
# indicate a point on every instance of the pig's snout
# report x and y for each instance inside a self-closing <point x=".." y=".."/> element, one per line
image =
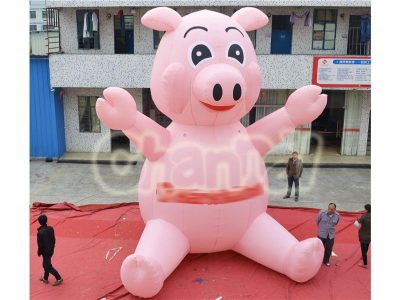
<point x="217" y="92"/>
<point x="219" y="85"/>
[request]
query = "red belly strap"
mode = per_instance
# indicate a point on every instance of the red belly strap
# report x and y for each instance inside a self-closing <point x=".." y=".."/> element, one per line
<point x="166" y="192"/>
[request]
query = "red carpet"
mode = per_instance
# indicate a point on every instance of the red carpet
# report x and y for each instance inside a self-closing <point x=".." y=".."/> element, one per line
<point x="93" y="240"/>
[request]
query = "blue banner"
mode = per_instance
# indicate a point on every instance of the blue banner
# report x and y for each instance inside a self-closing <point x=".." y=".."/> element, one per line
<point x="352" y="61"/>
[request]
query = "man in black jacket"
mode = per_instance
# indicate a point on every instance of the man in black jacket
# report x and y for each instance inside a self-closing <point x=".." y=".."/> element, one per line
<point x="294" y="169"/>
<point x="46" y="242"/>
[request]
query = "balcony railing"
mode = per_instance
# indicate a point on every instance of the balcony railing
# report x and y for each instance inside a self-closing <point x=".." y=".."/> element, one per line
<point x="53" y="31"/>
<point x="355" y="46"/>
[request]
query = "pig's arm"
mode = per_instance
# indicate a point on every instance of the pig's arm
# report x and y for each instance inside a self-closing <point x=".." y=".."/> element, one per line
<point x="118" y="111"/>
<point x="151" y="138"/>
<point x="270" y="130"/>
<point x="302" y="107"/>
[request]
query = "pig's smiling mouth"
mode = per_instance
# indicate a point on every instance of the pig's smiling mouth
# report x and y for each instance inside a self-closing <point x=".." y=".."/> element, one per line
<point x="219" y="107"/>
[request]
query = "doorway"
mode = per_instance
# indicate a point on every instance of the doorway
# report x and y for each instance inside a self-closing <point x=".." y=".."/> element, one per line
<point x="119" y="141"/>
<point x="327" y="129"/>
<point x="123" y="35"/>
<point x="281" y="37"/>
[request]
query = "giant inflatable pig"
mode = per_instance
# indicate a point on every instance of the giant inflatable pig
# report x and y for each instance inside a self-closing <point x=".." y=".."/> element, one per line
<point x="204" y="186"/>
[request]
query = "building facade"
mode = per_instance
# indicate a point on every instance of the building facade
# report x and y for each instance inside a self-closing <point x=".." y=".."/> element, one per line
<point x="119" y="51"/>
<point x="37" y="27"/>
<point x="37" y="15"/>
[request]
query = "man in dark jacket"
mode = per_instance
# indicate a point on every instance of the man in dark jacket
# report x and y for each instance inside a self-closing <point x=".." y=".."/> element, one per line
<point x="364" y="233"/>
<point x="294" y="169"/>
<point x="46" y="242"/>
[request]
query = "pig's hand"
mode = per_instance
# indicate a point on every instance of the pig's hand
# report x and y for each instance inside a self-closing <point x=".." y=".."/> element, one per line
<point x="305" y="104"/>
<point x="117" y="110"/>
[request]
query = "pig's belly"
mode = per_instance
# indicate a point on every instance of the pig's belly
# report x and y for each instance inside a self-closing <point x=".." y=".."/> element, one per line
<point x="191" y="163"/>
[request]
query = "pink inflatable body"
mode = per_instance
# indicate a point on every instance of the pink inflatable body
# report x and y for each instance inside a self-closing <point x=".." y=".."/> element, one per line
<point x="204" y="185"/>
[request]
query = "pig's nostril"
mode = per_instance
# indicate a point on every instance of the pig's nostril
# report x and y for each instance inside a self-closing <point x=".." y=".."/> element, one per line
<point x="237" y="91"/>
<point x="217" y="92"/>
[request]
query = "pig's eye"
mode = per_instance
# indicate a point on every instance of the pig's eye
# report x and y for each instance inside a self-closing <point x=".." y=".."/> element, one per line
<point x="236" y="52"/>
<point x="200" y="52"/>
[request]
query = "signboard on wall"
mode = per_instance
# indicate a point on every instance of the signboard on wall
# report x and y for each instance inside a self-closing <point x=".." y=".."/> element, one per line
<point x="342" y="71"/>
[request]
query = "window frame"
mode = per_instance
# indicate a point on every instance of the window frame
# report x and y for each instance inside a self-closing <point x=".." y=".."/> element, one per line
<point x="44" y="14"/>
<point x="324" y="22"/>
<point x="79" y="28"/>
<point x="47" y="27"/>
<point x="30" y="14"/>
<point x="115" y="37"/>
<point x="32" y="30"/>
<point x="91" y="109"/>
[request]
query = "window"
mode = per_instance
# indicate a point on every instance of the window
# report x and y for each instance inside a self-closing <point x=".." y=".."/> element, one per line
<point x="157" y="35"/>
<point x="32" y="27"/>
<point x="32" y="14"/>
<point x="324" y="29"/>
<point x="123" y="35"/>
<point x="88" y="120"/>
<point x="48" y="27"/>
<point x="88" y="27"/>
<point x="44" y="14"/>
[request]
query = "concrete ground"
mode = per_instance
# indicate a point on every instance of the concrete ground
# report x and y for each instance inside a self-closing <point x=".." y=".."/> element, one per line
<point x="52" y="182"/>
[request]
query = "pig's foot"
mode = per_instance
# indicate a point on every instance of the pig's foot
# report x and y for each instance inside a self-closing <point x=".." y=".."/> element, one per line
<point x="161" y="248"/>
<point x="142" y="276"/>
<point x="304" y="260"/>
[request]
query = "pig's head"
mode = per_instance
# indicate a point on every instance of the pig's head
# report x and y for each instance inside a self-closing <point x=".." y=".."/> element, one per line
<point x="205" y="71"/>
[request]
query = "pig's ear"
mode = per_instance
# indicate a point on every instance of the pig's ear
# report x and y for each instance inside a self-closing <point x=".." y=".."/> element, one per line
<point x="161" y="19"/>
<point x="250" y="18"/>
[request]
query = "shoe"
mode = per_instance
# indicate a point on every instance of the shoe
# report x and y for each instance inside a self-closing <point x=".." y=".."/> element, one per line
<point x="285" y="197"/>
<point x="58" y="282"/>
<point x="43" y="280"/>
<point x="296" y="199"/>
<point x="327" y="264"/>
<point x="363" y="266"/>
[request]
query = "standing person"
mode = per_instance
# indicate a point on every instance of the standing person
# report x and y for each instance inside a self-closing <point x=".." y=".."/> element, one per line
<point x="327" y="219"/>
<point x="46" y="242"/>
<point x="294" y="169"/>
<point x="364" y="233"/>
